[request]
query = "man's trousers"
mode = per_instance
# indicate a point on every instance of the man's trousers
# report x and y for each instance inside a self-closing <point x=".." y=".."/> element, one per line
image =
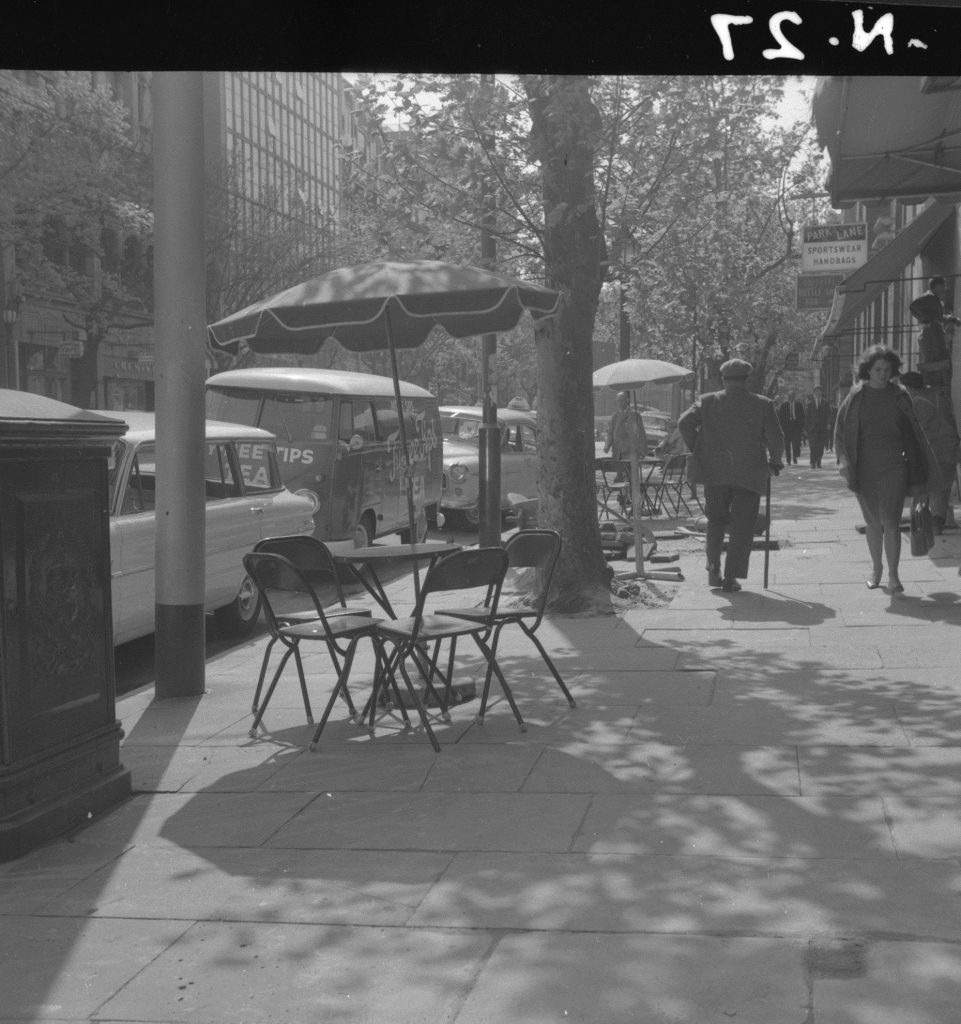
<point x="730" y="510"/>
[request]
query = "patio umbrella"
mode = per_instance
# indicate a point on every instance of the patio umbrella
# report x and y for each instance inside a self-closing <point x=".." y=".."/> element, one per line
<point x="628" y="375"/>
<point x="385" y="305"/>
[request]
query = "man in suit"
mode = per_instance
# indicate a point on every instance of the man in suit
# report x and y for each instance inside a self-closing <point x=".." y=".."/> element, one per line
<point x="816" y="425"/>
<point x="737" y="441"/>
<point x="791" y="417"/>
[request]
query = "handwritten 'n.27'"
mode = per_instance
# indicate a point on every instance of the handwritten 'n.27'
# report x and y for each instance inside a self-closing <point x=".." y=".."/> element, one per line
<point x="861" y="39"/>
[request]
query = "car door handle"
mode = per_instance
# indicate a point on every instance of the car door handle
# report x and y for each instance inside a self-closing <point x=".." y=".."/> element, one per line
<point x="257" y="510"/>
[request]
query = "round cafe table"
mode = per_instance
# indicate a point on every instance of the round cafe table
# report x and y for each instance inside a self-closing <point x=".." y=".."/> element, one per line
<point x="377" y="556"/>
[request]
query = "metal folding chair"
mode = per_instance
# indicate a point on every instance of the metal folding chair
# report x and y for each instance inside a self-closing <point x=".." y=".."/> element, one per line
<point x="478" y="569"/>
<point x="613" y="479"/>
<point x="274" y="576"/>
<point x="315" y="561"/>
<point x="526" y="549"/>
<point x="670" y="488"/>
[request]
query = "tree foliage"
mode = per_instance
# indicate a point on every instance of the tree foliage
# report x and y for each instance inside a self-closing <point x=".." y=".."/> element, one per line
<point x="72" y="188"/>
<point x="685" y="192"/>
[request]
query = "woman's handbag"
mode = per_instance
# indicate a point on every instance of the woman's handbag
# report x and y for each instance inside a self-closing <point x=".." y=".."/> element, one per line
<point x="922" y="527"/>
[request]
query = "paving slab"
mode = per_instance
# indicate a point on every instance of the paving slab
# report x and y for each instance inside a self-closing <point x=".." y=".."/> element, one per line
<point x="321" y="972"/>
<point x="541" y="978"/>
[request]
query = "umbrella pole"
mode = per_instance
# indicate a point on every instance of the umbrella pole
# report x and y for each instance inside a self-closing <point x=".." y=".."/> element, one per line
<point x="408" y="477"/>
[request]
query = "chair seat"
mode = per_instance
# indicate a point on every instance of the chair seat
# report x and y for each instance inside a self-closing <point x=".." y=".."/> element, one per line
<point x="434" y="626"/>
<point x="336" y="611"/>
<point x="479" y="615"/>
<point x="345" y="626"/>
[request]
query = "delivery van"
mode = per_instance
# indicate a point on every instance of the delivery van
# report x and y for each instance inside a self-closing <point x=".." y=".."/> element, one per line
<point x="339" y="442"/>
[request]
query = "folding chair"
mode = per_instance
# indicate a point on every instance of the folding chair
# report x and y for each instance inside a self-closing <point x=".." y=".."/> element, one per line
<point x="526" y="549"/>
<point x="670" y="487"/>
<point x="478" y="569"/>
<point x="275" y="575"/>
<point x="315" y="561"/>
<point x="613" y="479"/>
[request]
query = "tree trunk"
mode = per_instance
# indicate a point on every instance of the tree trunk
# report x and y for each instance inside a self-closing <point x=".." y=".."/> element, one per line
<point x="564" y="134"/>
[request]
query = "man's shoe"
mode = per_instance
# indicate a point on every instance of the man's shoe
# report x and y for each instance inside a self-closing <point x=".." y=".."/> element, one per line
<point x="714" y="579"/>
<point x="730" y="586"/>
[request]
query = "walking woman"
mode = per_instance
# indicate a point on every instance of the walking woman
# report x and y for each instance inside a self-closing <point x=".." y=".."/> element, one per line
<point x="884" y="456"/>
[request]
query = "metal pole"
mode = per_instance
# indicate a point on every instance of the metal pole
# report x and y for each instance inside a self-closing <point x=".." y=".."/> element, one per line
<point x="489" y="463"/>
<point x="179" y="316"/>
<point x="767" y="529"/>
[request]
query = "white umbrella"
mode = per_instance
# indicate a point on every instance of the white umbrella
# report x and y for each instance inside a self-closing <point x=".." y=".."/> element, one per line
<point x="634" y="373"/>
<point x="627" y="375"/>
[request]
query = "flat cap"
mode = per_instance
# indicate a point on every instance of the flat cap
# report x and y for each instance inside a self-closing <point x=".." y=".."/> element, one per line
<point x="736" y="369"/>
<point x="912" y="380"/>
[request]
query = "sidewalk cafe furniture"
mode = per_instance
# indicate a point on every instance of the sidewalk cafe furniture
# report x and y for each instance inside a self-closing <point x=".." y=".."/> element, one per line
<point x="357" y="560"/>
<point x="277" y="577"/>
<point x="527" y="549"/>
<point x="670" y="485"/>
<point x="614" y="480"/>
<point x="476" y="569"/>
<point x="313" y="558"/>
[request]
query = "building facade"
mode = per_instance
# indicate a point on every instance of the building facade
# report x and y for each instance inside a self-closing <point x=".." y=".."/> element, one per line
<point x="274" y="149"/>
<point x="895" y="150"/>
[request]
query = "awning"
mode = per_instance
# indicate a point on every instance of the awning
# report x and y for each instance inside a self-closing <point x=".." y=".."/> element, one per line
<point x="889" y="137"/>
<point x="859" y="289"/>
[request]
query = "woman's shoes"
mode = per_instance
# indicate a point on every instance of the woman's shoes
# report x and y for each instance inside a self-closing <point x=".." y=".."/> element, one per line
<point x="897" y="587"/>
<point x="730" y="586"/>
<point x="873" y="582"/>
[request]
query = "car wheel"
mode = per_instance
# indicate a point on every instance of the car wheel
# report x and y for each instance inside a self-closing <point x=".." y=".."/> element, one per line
<point x="239" y="618"/>
<point x="364" y="531"/>
<point x="472" y="517"/>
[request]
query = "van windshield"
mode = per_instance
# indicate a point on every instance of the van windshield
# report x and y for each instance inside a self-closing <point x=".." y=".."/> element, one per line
<point x="233" y="406"/>
<point x="297" y="417"/>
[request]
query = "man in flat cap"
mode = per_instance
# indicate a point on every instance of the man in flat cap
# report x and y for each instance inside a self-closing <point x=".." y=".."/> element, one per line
<point x="737" y="442"/>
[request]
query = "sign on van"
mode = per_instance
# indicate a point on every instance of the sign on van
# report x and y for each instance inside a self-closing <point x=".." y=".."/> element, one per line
<point x="833" y="247"/>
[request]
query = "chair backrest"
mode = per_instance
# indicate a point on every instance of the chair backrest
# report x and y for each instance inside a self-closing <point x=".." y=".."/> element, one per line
<point x="675" y="465"/>
<point x="273" y="576"/>
<point x="535" y="549"/>
<point x="473" y="569"/>
<point x="611" y="467"/>
<point x="311" y="556"/>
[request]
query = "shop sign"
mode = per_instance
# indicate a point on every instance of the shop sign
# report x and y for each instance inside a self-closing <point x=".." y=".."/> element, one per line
<point x="71" y="349"/>
<point x="833" y="247"/>
<point x="816" y="291"/>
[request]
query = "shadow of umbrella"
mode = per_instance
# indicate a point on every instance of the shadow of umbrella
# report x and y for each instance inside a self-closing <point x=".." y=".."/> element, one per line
<point x="386" y="305"/>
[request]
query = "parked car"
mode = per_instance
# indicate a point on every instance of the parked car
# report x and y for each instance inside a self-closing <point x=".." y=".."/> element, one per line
<point x="246" y="501"/>
<point x="461" y="426"/>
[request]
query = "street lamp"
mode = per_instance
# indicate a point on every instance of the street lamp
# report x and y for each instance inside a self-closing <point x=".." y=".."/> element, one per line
<point x="11" y="357"/>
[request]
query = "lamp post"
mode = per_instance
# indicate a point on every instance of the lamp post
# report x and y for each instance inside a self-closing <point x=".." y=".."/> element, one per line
<point x="11" y="355"/>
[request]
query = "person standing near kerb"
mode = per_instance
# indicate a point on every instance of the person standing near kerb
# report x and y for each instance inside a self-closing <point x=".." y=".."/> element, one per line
<point x="937" y="421"/>
<point x="737" y="442"/>
<point x="884" y="456"/>
<point x="791" y="418"/>
<point x="816" y="414"/>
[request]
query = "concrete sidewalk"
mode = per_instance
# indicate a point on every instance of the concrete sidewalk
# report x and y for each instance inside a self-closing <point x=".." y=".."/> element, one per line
<point x="752" y="815"/>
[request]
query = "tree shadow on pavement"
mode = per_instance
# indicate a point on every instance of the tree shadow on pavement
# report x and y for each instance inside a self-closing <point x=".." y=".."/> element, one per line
<point x="709" y="827"/>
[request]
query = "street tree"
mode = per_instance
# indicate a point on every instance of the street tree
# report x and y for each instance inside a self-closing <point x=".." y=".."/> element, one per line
<point x="667" y="192"/>
<point x="74" y="207"/>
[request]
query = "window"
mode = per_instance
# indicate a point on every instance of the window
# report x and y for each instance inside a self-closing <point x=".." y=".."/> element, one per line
<point x="233" y="406"/>
<point x="140" y="494"/>
<point x="110" y="251"/>
<point x="131" y="269"/>
<point x="219" y="479"/>
<point x="297" y="417"/>
<point x="258" y="466"/>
